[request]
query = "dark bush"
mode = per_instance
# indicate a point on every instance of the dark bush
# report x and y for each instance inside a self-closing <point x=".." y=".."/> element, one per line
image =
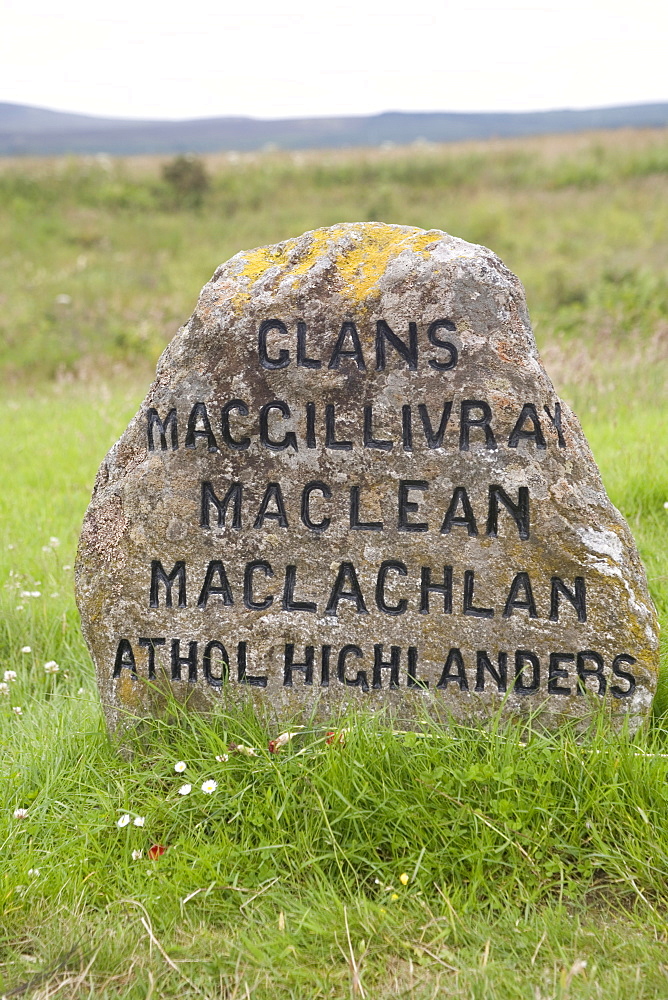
<point x="187" y="179"/>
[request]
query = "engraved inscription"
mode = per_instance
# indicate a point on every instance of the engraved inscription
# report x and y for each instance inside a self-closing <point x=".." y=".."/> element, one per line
<point x="353" y="483"/>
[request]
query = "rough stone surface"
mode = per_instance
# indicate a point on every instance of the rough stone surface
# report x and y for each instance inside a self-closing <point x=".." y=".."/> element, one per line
<point x="406" y="389"/>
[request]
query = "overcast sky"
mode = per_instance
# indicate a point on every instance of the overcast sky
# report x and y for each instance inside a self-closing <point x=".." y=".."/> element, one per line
<point x="143" y="58"/>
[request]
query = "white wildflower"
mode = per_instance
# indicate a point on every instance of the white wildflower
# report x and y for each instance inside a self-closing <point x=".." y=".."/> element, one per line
<point x="222" y="758"/>
<point x="26" y="649"/>
<point x="67" y="567"/>
<point x="136" y="855"/>
<point x="209" y="786"/>
<point x="51" y="667"/>
<point x="180" y="766"/>
<point x="139" y="820"/>
<point x="19" y="607"/>
<point x="55" y="542"/>
<point x="33" y="872"/>
<point x="4" y="688"/>
<point x="20" y="813"/>
<point x="185" y="789"/>
<point x="9" y="675"/>
<point x="31" y="593"/>
<point x="123" y="820"/>
<point x="17" y="710"/>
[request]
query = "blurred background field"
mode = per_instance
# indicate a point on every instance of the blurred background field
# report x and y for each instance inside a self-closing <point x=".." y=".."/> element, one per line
<point x="100" y="262"/>
<point x="104" y="258"/>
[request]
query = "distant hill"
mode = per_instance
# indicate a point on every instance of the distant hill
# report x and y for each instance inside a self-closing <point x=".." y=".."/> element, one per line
<point x="28" y="131"/>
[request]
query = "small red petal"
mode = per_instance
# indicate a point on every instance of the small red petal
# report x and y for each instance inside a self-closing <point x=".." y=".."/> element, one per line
<point x="155" y="851"/>
<point x="272" y="746"/>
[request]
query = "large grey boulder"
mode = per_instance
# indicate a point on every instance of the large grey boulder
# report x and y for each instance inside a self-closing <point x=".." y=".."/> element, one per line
<point x="352" y="481"/>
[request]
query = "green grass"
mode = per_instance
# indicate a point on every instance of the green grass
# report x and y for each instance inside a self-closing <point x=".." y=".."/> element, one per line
<point x="527" y="854"/>
<point x="502" y="844"/>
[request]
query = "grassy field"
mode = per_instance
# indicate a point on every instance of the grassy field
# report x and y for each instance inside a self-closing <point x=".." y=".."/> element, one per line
<point x="463" y="864"/>
<point x="110" y="257"/>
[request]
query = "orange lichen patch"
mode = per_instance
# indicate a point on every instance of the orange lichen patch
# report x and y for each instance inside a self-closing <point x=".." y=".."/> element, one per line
<point x="126" y="690"/>
<point x="360" y="255"/>
<point x="508" y="352"/>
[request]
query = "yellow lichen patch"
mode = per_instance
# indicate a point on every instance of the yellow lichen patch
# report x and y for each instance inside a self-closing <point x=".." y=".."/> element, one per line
<point x="256" y="262"/>
<point x="363" y="265"/>
<point x="359" y="253"/>
<point x="126" y="690"/>
<point x="260" y="260"/>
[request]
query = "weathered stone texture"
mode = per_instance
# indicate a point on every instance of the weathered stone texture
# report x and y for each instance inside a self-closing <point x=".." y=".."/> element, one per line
<point x="409" y="394"/>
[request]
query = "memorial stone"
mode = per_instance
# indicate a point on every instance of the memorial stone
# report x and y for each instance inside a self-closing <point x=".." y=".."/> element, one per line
<point x="352" y="481"/>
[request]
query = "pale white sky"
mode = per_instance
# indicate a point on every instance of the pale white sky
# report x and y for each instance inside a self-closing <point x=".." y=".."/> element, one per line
<point x="199" y="58"/>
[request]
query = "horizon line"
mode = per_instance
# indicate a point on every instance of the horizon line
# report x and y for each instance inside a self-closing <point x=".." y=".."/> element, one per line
<point x="360" y="114"/>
